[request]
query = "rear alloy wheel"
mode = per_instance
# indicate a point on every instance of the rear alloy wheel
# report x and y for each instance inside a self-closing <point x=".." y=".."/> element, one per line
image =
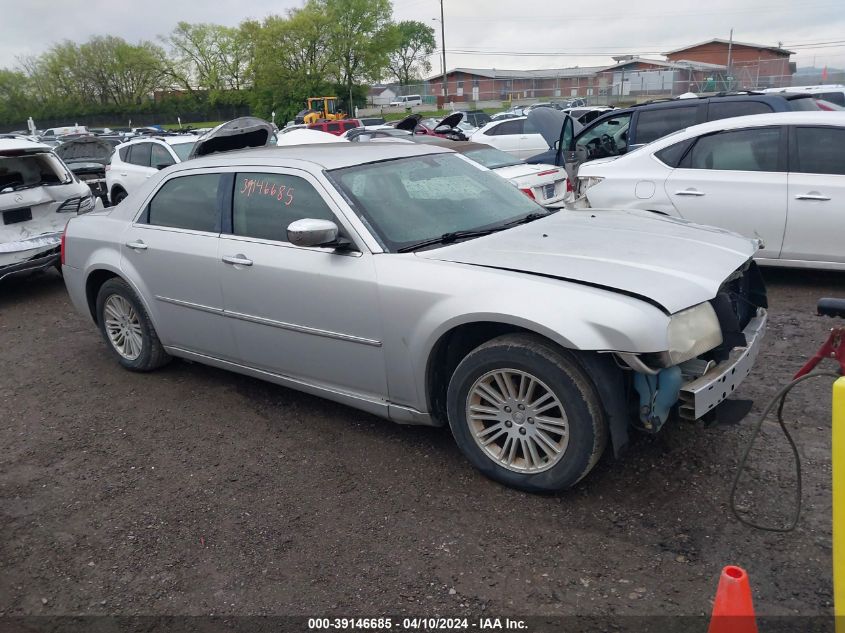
<point x="127" y="328"/>
<point x="525" y="414"/>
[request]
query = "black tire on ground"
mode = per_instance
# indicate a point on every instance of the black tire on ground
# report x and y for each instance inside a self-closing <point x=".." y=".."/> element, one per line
<point x="152" y="354"/>
<point x="558" y="369"/>
<point x="117" y="195"/>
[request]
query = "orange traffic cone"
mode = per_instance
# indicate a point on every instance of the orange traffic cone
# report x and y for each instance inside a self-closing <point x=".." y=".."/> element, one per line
<point x="733" y="611"/>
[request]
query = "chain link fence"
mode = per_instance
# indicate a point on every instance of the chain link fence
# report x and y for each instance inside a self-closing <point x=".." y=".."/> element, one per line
<point x="603" y="87"/>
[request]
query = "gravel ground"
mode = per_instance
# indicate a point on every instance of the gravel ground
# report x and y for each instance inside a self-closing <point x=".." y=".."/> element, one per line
<point x="194" y="491"/>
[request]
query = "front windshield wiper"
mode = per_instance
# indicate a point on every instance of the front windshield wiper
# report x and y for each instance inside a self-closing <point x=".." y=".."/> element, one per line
<point x="449" y="238"/>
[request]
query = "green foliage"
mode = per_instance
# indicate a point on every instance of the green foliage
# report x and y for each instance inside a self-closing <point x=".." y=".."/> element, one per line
<point x="409" y="62"/>
<point x="326" y="47"/>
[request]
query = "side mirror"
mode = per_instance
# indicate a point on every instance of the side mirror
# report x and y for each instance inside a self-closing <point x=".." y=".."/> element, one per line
<point x="311" y="232"/>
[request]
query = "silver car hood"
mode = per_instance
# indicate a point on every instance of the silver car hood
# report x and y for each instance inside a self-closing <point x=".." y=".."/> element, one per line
<point x="669" y="262"/>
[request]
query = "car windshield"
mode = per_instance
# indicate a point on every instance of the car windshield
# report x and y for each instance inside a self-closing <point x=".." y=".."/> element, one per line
<point x="492" y="158"/>
<point x="411" y="200"/>
<point x="183" y="150"/>
<point x="33" y="170"/>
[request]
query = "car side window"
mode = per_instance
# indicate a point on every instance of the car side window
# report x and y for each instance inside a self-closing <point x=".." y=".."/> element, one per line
<point x="124" y="153"/>
<point x="265" y="204"/>
<point x="657" y="123"/>
<point x="333" y="127"/>
<point x="160" y="157"/>
<point x="819" y="150"/>
<point x="671" y="156"/>
<point x="606" y="138"/>
<point x="736" y="150"/>
<point x="727" y="109"/>
<point x="507" y="128"/>
<point x="187" y="202"/>
<point x="140" y="154"/>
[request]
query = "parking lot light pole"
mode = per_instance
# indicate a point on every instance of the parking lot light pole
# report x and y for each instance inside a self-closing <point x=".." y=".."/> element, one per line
<point x="443" y="46"/>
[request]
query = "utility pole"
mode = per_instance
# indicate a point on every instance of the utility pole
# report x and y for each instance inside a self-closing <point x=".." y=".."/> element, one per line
<point x="730" y="51"/>
<point x="443" y="42"/>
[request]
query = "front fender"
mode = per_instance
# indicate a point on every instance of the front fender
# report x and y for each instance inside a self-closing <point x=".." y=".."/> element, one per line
<point x="419" y="308"/>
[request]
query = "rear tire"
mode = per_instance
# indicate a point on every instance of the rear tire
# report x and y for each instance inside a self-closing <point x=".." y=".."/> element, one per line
<point x="118" y="195"/>
<point x="127" y="329"/>
<point x="525" y="413"/>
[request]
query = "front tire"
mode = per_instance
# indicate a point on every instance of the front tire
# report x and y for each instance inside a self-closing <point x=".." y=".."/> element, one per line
<point x="127" y="329"/>
<point x="524" y="412"/>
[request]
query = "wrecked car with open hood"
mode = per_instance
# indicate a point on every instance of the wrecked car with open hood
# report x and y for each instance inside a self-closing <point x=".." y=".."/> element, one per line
<point x="410" y="282"/>
<point x="38" y="194"/>
<point x="87" y="157"/>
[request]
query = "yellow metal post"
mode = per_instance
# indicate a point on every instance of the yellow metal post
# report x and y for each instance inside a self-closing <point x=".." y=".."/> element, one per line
<point x="838" y="462"/>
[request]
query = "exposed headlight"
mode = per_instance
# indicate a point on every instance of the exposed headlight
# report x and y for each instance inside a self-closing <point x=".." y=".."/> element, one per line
<point x="588" y="181"/>
<point x="693" y="332"/>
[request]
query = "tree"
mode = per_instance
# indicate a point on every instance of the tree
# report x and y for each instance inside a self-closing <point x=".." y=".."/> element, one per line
<point x="361" y="39"/>
<point x="291" y="59"/>
<point x="208" y="56"/>
<point x="409" y="62"/>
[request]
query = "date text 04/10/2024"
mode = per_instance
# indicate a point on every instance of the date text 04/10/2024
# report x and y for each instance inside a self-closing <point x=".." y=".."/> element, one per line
<point x="417" y="624"/>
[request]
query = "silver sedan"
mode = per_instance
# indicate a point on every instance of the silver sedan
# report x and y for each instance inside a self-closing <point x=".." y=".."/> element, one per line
<point x="414" y="284"/>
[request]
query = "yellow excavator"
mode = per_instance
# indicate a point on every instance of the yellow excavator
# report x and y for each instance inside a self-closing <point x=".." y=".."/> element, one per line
<point x="320" y="109"/>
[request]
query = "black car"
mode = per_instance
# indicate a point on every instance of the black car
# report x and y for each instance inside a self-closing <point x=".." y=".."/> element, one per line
<point x="624" y="129"/>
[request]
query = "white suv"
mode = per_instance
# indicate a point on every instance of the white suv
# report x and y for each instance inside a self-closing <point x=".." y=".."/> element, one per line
<point x="133" y="162"/>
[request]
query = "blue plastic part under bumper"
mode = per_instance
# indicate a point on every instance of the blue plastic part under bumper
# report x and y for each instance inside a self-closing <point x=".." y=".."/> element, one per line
<point x="658" y="394"/>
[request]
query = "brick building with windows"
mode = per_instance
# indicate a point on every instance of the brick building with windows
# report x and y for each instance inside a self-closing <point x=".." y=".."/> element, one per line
<point x="750" y="65"/>
<point x="698" y="68"/>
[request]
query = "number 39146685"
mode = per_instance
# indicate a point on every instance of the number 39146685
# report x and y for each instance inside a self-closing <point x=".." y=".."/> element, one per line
<point x="253" y="186"/>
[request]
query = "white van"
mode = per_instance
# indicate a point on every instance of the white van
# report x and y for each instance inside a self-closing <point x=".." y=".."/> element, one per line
<point x="53" y="132"/>
<point x="407" y="101"/>
<point x="834" y="93"/>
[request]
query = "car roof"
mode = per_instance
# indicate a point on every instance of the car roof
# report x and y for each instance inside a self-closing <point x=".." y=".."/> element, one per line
<point x="15" y="145"/>
<point x="170" y="140"/>
<point x="325" y="155"/>
<point x="772" y="118"/>
<point x="821" y="118"/>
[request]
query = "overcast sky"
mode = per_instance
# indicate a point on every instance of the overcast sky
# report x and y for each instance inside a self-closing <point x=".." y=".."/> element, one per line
<point x="479" y="33"/>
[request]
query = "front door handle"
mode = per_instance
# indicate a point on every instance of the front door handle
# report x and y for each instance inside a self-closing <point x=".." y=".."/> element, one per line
<point x="237" y="260"/>
<point x="812" y="196"/>
<point x="689" y="192"/>
<point x="137" y="245"/>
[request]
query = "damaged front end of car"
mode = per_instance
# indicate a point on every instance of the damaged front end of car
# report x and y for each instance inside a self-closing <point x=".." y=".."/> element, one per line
<point x="712" y="348"/>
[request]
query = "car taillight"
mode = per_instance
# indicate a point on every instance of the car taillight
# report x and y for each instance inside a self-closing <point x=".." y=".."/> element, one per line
<point x="547" y="172"/>
<point x="527" y="191"/>
<point x="62" y="247"/>
<point x="108" y="167"/>
<point x="569" y="187"/>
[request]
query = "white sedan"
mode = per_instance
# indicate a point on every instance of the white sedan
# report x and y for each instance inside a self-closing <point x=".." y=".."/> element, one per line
<point x="517" y="137"/>
<point x="779" y="177"/>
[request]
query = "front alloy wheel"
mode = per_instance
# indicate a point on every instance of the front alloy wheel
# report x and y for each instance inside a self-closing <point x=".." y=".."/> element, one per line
<point x="525" y="412"/>
<point x="517" y="420"/>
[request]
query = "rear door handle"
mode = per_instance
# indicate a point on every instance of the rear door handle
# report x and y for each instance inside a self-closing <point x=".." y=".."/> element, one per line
<point x="689" y="192"/>
<point x="812" y="196"/>
<point x="237" y="260"/>
<point x="124" y="175"/>
<point x="137" y="245"/>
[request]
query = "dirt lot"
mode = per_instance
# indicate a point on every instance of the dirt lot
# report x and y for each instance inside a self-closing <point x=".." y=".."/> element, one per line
<point x="195" y="491"/>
